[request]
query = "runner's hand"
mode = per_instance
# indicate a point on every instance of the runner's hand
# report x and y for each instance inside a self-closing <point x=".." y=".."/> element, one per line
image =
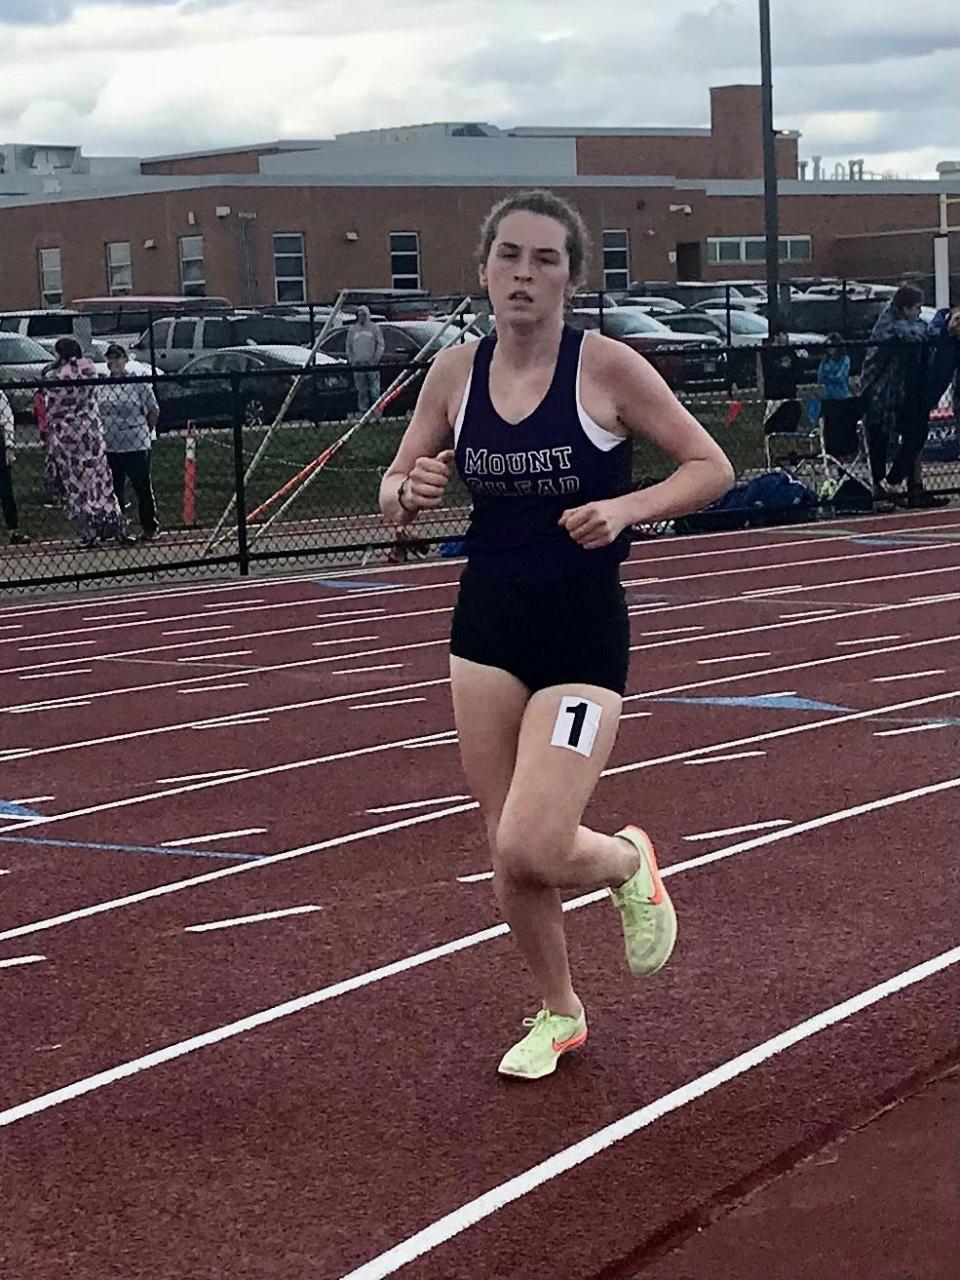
<point x="426" y="482"/>
<point x="595" y="525"/>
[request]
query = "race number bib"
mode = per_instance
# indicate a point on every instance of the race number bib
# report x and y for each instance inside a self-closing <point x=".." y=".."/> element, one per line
<point x="576" y="725"/>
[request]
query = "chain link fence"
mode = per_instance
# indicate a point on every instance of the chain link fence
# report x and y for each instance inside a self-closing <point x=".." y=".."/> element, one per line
<point x="183" y="475"/>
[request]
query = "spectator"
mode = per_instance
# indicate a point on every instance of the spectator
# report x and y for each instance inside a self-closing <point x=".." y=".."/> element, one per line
<point x="130" y="414"/>
<point x="837" y="407"/>
<point x="365" y="348"/>
<point x="8" y="502"/>
<point x="945" y="357"/>
<point x="780" y="373"/>
<point x="74" y="440"/>
<point x="894" y="389"/>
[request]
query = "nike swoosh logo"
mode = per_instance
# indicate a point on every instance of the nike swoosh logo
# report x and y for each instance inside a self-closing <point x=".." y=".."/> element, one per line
<point x="651" y="856"/>
<point x="560" y="1046"/>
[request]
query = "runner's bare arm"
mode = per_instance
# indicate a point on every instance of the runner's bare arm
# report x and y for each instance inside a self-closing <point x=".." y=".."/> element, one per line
<point x="422" y="461"/>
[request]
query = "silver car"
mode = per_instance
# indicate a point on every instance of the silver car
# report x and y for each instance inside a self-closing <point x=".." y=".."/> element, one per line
<point x="21" y="360"/>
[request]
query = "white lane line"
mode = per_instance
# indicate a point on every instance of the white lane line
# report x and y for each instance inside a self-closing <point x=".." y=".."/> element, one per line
<point x="739" y="755"/>
<point x="115" y="617"/>
<point x="636" y="715"/>
<point x="417" y="804"/>
<point x="352" y="613"/>
<point x="5" y="873"/>
<point x="865" y="640"/>
<point x="58" y="675"/>
<point x="941" y="599"/>
<point x="216" y="688"/>
<point x="483" y="1206"/>
<point x="199" y="777"/>
<point x="198" y="631"/>
<point x="230" y="724"/>
<point x="190" y="841"/>
<point x="46" y="648"/>
<point x="17" y="960"/>
<point x="439" y="742"/>
<point x="80" y="1087"/>
<point x="217" y="657"/>
<point x="737" y="657"/>
<point x="256" y="600"/>
<point x="15" y="626"/>
<point x="32" y="799"/>
<point x="769" y="591"/>
<point x="812" y="613"/>
<point x="395" y="702"/>
<point x="49" y="706"/>
<point x="264" y="915"/>
<point x="352" y="671"/>
<point x="323" y="644"/>
<point x="919" y="728"/>
<point x="482" y="875"/>
<point x="737" y="831"/>
<point x="908" y="675"/>
<point x="674" y="631"/>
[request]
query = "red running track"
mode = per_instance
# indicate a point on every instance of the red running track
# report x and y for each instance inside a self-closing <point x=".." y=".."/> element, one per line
<point x="154" y="1126"/>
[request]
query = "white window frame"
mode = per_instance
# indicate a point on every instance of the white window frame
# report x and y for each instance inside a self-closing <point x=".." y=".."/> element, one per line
<point x="119" y="268"/>
<point x="793" y="248"/>
<point x="282" y="274"/>
<point x="404" y="279"/>
<point x="50" y="275"/>
<point x="616" y="258"/>
<point x="192" y="288"/>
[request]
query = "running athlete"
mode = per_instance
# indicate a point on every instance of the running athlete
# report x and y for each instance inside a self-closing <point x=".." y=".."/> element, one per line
<point x="538" y="420"/>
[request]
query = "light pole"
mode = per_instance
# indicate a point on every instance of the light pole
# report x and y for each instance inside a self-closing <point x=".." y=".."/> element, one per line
<point x="771" y="206"/>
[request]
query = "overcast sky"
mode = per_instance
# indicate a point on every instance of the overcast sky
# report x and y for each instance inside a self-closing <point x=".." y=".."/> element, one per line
<point x="872" y="78"/>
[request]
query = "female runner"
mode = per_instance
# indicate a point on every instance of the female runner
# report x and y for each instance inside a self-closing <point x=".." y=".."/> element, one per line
<point x="538" y="420"/>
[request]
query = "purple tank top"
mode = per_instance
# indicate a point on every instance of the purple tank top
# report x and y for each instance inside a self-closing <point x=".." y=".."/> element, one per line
<point x="523" y="476"/>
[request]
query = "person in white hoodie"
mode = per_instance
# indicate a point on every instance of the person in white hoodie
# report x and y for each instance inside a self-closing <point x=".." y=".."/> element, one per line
<point x="8" y="502"/>
<point x="365" y="349"/>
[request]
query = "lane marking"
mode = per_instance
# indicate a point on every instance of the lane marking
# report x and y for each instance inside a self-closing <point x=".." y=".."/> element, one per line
<point x="101" y="1079"/>
<point x="920" y="728"/>
<point x="771" y="591"/>
<point x="230" y="724"/>
<point x="32" y="800"/>
<point x="97" y="847"/>
<point x="322" y="644"/>
<point x="57" y="675"/>
<point x="70" y="705"/>
<point x="908" y="675"/>
<point x="256" y="600"/>
<point x="216" y="657"/>
<point x="197" y="777"/>
<point x="115" y="617"/>
<point x="736" y="831"/>
<point x="215" y="688"/>
<point x="417" y="804"/>
<point x="674" y="631"/>
<point x="264" y="915"/>
<point x="941" y="599"/>
<point x="47" y="648"/>
<point x="739" y="755"/>
<point x="214" y="836"/>
<point x="737" y="657"/>
<point x="483" y="875"/>
<point x="395" y="702"/>
<point x="636" y="715"/>
<point x="813" y="613"/>
<point x="866" y="640"/>
<point x="18" y="960"/>
<point x="483" y="1206"/>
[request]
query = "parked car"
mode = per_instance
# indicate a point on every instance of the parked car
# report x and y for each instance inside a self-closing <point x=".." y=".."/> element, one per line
<point x="688" y="292"/>
<point x="402" y="340"/>
<point x="196" y="394"/>
<point x="592" y="300"/>
<point x="179" y="339"/>
<point x="651" y="304"/>
<point x="59" y="322"/>
<point x="21" y="360"/>
<point x="746" y="331"/>
<point x="97" y="352"/>
<point x="124" y="318"/>
<point x="685" y="363"/>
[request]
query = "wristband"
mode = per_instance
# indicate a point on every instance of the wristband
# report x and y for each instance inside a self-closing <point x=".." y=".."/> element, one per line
<point x="403" y="507"/>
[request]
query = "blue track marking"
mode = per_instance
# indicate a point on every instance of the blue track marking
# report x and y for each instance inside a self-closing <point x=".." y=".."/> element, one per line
<point x="130" y="848"/>
<point x="10" y="810"/>
<point x="352" y="584"/>
<point x="778" y="704"/>
<point x="903" y="542"/>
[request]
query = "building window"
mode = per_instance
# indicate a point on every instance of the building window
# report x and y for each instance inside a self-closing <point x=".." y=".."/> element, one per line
<point x="723" y="249"/>
<point x="289" y="267"/>
<point x="119" y="268"/>
<point x="405" y="259"/>
<point x="193" y="276"/>
<point x="616" y="260"/>
<point x="51" y="278"/>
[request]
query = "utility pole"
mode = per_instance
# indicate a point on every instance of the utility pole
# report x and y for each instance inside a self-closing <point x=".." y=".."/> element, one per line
<point x="770" y="193"/>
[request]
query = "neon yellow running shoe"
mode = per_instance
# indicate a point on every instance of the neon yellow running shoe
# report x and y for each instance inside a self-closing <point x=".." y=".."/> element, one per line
<point x="538" y="1053"/>
<point x="649" y="920"/>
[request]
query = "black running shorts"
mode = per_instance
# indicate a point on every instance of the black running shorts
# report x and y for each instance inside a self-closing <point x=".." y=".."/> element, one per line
<point x="575" y="631"/>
